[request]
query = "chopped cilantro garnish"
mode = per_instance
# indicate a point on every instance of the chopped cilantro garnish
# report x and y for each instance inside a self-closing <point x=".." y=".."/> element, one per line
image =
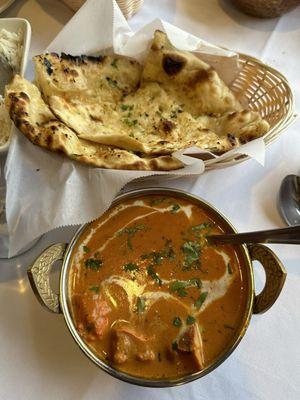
<point x="190" y="320"/>
<point x="93" y="263"/>
<point x="176" y="285"/>
<point x="181" y="286"/>
<point x="154" y="275"/>
<point x="112" y="83"/>
<point x="130" y="231"/>
<point x="177" y="322"/>
<point x="192" y="251"/>
<point x="86" y="249"/>
<point x="140" y="305"/>
<point x="181" y="292"/>
<point x="157" y="257"/>
<point x="94" y="289"/>
<point x="195" y="282"/>
<point x="229" y="269"/>
<point x="114" y="63"/>
<point x="174" y="346"/>
<point x="129" y="122"/>
<point x="155" y="202"/>
<point x="175" y="208"/>
<point x="158" y="113"/>
<point x="130" y="267"/>
<point x="200" y="300"/>
<point x="125" y="107"/>
<point x="204" y="225"/>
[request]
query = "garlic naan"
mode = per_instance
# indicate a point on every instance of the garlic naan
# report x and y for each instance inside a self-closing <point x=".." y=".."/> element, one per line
<point x="162" y="129"/>
<point x="188" y="79"/>
<point x="35" y="120"/>
<point x="103" y="78"/>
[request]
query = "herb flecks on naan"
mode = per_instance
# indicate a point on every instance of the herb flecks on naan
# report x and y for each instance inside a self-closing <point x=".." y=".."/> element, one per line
<point x="36" y="121"/>
<point x="112" y="112"/>
<point x="189" y="80"/>
<point x="103" y="78"/>
<point x="164" y="128"/>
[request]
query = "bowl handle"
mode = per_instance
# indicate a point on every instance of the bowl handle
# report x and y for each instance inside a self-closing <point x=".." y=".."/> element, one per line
<point x="39" y="273"/>
<point x="275" y="277"/>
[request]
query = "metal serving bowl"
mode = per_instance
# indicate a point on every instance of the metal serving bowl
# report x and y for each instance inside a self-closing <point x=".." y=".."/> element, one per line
<point x="256" y="304"/>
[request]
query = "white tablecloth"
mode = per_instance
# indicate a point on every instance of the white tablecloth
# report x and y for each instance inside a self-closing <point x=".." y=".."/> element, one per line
<point x="38" y="358"/>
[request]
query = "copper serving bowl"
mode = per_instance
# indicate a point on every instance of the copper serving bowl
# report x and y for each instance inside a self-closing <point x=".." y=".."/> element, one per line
<point x="60" y="303"/>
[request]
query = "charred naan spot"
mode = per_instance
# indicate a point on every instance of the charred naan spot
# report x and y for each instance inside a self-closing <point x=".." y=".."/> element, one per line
<point x="232" y="139"/>
<point x="232" y="115"/>
<point x="247" y="138"/>
<point x="154" y="46"/>
<point x="96" y="119"/>
<point x="24" y="96"/>
<point x="71" y="72"/>
<point x="201" y="76"/>
<point x="81" y="59"/>
<point x="48" y="66"/>
<point x="173" y="64"/>
<point x="49" y="140"/>
<point x="167" y="126"/>
<point x="19" y="122"/>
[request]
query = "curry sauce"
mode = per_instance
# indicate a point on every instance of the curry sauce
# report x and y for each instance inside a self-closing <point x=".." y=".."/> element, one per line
<point x="150" y="295"/>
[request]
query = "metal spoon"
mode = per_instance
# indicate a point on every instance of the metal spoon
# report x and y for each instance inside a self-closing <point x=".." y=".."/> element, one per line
<point x="290" y="235"/>
<point x="289" y="199"/>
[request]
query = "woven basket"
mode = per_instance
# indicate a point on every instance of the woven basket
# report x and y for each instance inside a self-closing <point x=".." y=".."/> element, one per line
<point x="266" y="8"/>
<point x="266" y="91"/>
<point x="128" y="7"/>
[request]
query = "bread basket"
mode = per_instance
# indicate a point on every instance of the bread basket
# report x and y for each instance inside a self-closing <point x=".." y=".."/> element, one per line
<point x="260" y="86"/>
<point x="128" y="7"/>
<point x="266" y="91"/>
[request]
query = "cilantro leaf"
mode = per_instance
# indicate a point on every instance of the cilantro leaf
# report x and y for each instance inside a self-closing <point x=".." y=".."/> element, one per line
<point x="198" y="303"/>
<point x="130" y="267"/>
<point x="140" y="305"/>
<point x="190" y="320"/>
<point x="177" y="322"/>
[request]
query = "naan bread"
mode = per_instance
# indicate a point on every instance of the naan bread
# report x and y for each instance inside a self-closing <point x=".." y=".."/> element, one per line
<point x="191" y="82"/>
<point x="147" y="120"/>
<point x="36" y="121"/>
<point x="102" y="78"/>
<point x="243" y="125"/>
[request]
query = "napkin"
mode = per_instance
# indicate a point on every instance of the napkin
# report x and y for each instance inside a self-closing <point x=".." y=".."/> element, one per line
<point x="45" y="190"/>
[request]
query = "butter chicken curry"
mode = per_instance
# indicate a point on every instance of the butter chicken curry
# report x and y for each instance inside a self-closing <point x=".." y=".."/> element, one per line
<point x="150" y="295"/>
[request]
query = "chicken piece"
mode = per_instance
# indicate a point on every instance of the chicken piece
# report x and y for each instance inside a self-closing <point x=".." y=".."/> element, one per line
<point x="191" y="342"/>
<point x="128" y="344"/>
<point x="96" y="312"/>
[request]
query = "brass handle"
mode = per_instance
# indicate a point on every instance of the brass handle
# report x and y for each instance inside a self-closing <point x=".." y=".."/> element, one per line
<point x="38" y="275"/>
<point x="275" y="277"/>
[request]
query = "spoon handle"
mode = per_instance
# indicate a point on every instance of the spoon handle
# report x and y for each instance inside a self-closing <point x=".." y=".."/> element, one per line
<point x="290" y="235"/>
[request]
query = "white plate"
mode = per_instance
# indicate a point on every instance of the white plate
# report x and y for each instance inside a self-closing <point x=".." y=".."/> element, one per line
<point x="4" y="4"/>
<point x="13" y="25"/>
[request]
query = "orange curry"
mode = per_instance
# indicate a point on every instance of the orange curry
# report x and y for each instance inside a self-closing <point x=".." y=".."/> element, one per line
<point x="150" y="295"/>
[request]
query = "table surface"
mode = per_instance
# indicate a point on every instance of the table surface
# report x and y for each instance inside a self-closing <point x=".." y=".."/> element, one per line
<point x="38" y="358"/>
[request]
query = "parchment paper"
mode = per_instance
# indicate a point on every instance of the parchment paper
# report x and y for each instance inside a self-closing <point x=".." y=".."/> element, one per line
<point x="45" y="190"/>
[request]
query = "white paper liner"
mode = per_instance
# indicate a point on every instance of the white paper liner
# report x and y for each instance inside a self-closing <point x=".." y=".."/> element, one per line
<point x="45" y="190"/>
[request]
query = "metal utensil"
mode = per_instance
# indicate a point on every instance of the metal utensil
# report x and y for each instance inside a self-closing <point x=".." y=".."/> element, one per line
<point x="289" y="235"/>
<point x="289" y="200"/>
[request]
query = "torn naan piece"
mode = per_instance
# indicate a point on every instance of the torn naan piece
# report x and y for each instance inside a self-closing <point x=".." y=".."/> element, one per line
<point x="190" y="81"/>
<point x="147" y="121"/>
<point x="243" y="125"/>
<point x="36" y="121"/>
<point x="103" y="78"/>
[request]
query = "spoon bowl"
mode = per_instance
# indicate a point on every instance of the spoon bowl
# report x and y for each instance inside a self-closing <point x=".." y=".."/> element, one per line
<point x="289" y="200"/>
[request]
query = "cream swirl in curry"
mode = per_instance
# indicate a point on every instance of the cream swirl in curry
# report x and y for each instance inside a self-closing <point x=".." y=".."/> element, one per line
<point x="150" y="295"/>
